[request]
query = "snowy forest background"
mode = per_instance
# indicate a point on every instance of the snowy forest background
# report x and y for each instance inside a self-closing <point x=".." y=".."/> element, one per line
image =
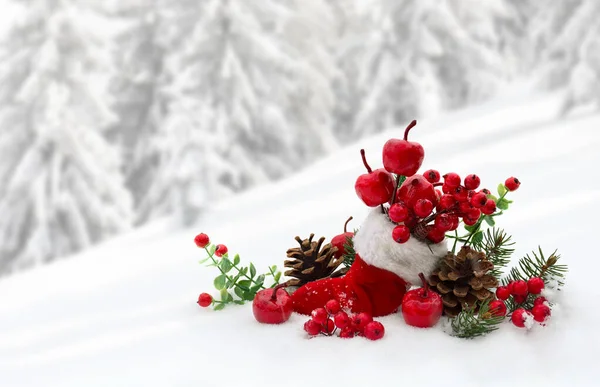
<point x="115" y="113"/>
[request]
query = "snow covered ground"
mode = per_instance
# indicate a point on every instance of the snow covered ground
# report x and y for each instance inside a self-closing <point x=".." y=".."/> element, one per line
<point x="124" y="313"/>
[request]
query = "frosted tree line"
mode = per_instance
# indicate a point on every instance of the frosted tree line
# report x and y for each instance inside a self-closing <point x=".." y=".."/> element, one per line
<point x="114" y="113"/>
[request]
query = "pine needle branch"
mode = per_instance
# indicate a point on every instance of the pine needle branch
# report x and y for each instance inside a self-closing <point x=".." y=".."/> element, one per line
<point x="537" y="265"/>
<point x="497" y="246"/>
<point x="469" y="324"/>
<point x="350" y="253"/>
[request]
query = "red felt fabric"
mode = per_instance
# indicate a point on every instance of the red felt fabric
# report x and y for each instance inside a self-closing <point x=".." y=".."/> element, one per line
<point x="365" y="288"/>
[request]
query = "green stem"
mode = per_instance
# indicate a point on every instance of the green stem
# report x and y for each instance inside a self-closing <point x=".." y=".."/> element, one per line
<point x="478" y="224"/>
<point x="455" y="241"/>
<point x="212" y="258"/>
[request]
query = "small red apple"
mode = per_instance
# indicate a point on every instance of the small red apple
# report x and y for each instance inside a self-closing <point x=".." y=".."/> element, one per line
<point x="403" y="157"/>
<point x="421" y="307"/>
<point x="414" y="188"/>
<point x="272" y="306"/>
<point x="375" y="187"/>
<point x="339" y="241"/>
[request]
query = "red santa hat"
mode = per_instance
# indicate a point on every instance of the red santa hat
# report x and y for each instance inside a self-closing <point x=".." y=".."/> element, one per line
<point x="380" y="275"/>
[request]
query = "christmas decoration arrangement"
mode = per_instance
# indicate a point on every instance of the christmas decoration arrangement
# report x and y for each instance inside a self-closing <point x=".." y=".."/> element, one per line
<point x="429" y="249"/>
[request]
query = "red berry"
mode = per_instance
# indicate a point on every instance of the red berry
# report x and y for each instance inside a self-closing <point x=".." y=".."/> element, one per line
<point x="510" y="286"/>
<point x="319" y="315"/>
<point x="432" y="175"/>
<point x="205" y="300"/>
<point x="485" y="191"/>
<point x="519" y="299"/>
<point x="455" y="222"/>
<point x="519" y="288"/>
<point x="312" y="328"/>
<point x="472" y="181"/>
<point x="470" y="221"/>
<point x="446" y="202"/>
<point x="332" y="306"/>
<point x="464" y="207"/>
<point x="473" y="213"/>
<point x="359" y="321"/>
<point x="436" y="235"/>
<point x="497" y="308"/>
<point x="443" y="222"/>
<point x="503" y="292"/>
<point x="535" y="285"/>
<point x="423" y="208"/>
<point x="221" y="250"/>
<point x="328" y="326"/>
<point x="398" y="212"/>
<point x="521" y="318"/>
<point x="341" y="320"/>
<point x="201" y="240"/>
<point x="489" y="208"/>
<point x="347" y="333"/>
<point x="539" y="301"/>
<point x="461" y="194"/>
<point x="374" y="330"/>
<point x="512" y="183"/>
<point x="452" y="179"/>
<point x="446" y="188"/>
<point x="479" y="200"/>
<point x="401" y="234"/>
<point x="540" y="312"/>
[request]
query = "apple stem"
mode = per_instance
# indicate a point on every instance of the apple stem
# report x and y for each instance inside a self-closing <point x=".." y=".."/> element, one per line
<point x="275" y="289"/>
<point x="425" y="284"/>
<point x="408" y="128"/>
<point x="364" y="159"/>
<point x="346" y="224"/>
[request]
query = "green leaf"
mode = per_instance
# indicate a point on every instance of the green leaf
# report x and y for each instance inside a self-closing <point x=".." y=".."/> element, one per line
<point x="255" y="289"/>
<point x="260" y="279"/>
<point x="225" y="264"/>
<point x="494" y="198"/>
<point x="239" y="302"/>
<point x="277" y="276"/>
<point x="274" y="268"/>
<point x="239" y="292"/>
<point x="220" y="282"/>
<point x="252" y="270"/>
<point x="471" y="228"/>
<point x="203" y="260"/>
<point x="245" y="284"/>
<point x="236" y="259"/>
<point x="502" y="204"/>
<point x="225" y="296"/>
<point x="502" y="189"/>
<point x="489" y="220"/>
<point x="219" y="306"/>
<point x="477" y="238"/>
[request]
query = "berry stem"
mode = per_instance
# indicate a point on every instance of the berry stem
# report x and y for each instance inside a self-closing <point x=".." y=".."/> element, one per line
<point x="399" y="180"/>
<point x="425" y="285"/>
<point x="408" y="128"/>
<point x="214" y="261"/>
<point x="439" y="184"/>
<point x="275" y="289"/>
<point x="346" y="224"/>
<point x="364" y="159"/>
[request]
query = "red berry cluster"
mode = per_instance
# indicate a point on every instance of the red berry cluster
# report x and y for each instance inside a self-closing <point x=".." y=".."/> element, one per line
<point x="416" y="206"/>
<point x="519" y="290"/>
<point x="326" y="321"/>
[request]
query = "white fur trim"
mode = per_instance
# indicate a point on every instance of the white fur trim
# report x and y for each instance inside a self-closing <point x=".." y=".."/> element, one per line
<point x="374" y="243"/>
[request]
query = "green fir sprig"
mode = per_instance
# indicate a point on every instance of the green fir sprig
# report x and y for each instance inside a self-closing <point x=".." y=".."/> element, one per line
<point x="470" y="324"/>
<point x="350" y="253"/>
<point x="497" y="246"/>
<point x="243" y="281"/>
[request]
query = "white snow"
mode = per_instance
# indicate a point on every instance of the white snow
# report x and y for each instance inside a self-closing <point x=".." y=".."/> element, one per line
<point x="124" y="313"/>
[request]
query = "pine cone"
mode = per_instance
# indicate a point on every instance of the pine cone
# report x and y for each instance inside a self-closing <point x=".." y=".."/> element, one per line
<point x="312" y="261"/>
<point x="462" y="280"/>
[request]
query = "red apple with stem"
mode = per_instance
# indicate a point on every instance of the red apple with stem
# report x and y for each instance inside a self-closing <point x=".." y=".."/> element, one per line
<point x="421" y="307"/>
<point x="271" y="306"/>
<point x="339" y="241"/>
<point x="375" y="187"/>
<point x="403" y="157"/>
